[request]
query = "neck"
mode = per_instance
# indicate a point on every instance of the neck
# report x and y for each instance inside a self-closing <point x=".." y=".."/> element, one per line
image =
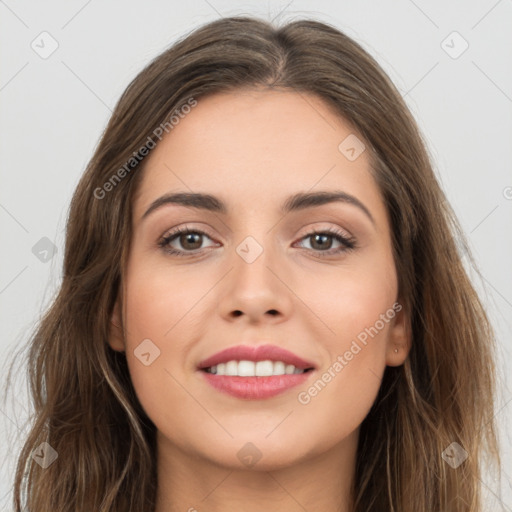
<point x="323" y="483"/>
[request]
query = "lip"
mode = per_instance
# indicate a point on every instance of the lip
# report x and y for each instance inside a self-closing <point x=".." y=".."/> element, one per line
<point x="255" y="388"/>
<point x="256" y="353"/>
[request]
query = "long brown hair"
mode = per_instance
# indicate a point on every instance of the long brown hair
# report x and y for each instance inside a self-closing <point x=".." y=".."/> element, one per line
<point x="84" y="403"/>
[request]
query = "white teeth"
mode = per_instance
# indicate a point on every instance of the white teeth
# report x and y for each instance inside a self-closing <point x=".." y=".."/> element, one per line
<point x="279" y="368"/>
<point x="246" y="368"/>
<point x="231" y="368"/>
<point x="264" y="368"/>
<point x="289" y="369"/>
<point x="252" y="369"/>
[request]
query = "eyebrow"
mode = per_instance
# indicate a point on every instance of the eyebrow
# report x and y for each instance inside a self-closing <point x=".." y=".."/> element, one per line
<point x="296" y="202"/>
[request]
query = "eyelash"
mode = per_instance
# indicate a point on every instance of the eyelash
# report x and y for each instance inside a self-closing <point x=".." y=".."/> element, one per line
<point x="348" y="243"/>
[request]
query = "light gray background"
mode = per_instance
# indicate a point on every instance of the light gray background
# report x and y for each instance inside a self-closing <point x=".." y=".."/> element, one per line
<point x="54" y="110"/>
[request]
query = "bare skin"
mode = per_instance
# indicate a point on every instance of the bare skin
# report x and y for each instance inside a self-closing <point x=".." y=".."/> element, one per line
<point x="311" y="296"/>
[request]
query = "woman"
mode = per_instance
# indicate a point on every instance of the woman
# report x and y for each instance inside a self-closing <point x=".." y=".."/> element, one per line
<point x="318" y="346"/>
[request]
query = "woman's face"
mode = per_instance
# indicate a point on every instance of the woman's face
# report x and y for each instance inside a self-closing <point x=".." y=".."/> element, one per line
<point x="262" y="265"/>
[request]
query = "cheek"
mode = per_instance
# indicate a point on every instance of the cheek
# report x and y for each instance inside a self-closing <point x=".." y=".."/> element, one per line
<point x="351" y="301"/>
<point x="345" y="388"/>
<point x="159" y="305"/>
<point x="357" y="309"/>
<point x="158" y="298"/>
<point x="339" y="399"/>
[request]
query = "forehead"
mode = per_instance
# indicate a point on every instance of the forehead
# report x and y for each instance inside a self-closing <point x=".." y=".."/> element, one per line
<point x="256" y="148"/>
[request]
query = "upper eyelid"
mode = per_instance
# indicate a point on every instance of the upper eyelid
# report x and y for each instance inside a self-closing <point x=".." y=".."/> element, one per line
<point x="186" y="227"/>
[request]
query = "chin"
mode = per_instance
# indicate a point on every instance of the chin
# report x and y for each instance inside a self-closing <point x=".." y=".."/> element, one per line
<point x="252" y="457"/>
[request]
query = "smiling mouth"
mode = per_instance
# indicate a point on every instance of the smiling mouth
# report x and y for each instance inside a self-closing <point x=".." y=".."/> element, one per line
<point x="255" y="381"/>
<point x="246" y="368"/>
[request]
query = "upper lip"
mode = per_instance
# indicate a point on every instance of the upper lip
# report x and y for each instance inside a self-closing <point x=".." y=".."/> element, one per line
<point x="255" y="353"/>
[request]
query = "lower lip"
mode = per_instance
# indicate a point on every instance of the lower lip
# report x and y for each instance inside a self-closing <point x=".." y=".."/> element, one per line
<point x="255" y="388"/>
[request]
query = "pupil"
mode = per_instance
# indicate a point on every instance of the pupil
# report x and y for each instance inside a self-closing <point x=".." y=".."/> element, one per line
<point x="190" y="237"/>
<point x="323" y="237"/>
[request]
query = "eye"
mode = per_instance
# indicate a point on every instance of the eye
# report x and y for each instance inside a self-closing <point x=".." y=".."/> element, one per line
<point x="190" y="240"/>
<point x="321" y="242"/>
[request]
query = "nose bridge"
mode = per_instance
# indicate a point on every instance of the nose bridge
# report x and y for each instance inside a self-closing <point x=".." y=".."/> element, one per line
<point x="258" y="248"/>
<point x="254" y="258"/>
<point x="254" y="289"/>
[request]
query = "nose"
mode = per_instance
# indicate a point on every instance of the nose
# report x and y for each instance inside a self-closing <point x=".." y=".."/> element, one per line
<point x="256" y="290"/>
